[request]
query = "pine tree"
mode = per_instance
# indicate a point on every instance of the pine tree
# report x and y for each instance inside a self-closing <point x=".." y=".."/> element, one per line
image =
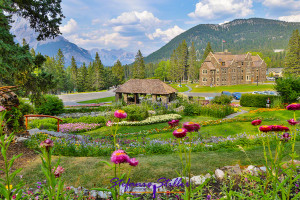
<point x="90" y="77"/>
<point x="193" y="69"/>
<point x="292" y="59"/>
<point x="60" y="72"/>
<point x="118" y="72"/>
<point x="98" y="80"/>
<point x="208" y="49"/>
<point x="139" y="66"/>
<point x="81" y="79"/>
<point x="182" y="52"/>
<point x="74" y="72"/>
<point x="173" y="70"/>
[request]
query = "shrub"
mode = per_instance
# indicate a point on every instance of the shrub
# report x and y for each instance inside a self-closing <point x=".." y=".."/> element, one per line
<point x="277" y="103"/>
<point x="256" y="100"/>
<point x="288" y="88"/>
<point x="222" y="100"/>
<point x="85" y="119"/>
<point x="136" y="113"/>
<point x="25" y="108"/>
<point x="50" y="105"/>
<point x="212" y="110"/>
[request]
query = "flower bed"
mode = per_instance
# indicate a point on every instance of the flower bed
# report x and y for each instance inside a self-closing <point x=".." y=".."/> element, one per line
<point x="77" y="127"/>
<point x="86" y="105"/>
<point x="260" y="110"/>
<point x="150" y="120"/>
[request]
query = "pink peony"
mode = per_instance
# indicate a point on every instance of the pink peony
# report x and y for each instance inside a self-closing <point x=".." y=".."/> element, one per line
<point x="120" y="114"/>
<point x="256" y="122"/>
<point x="109" y="123"/>
<point x="265" y="128"/>
<point x="293" y="122"/>
<point x="58" y="171"/>
<point x="47" y="144"/>
<point x="180" y="133"/>
<point x="173" y="123"/>
<point x="119" y="156"/>
<point x="191" y="126"/>
<point x="133" y="162"/>
<point x="293" y="106"/>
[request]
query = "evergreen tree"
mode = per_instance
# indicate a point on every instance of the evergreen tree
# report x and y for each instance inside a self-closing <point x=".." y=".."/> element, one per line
<point x="139" y="66"/>
<point x="90" y="77"/>
<point x="118" y="72"/>
<point x="173" y="75"/>
<point x="208" y="49"/>
<point x="193" y="69"/>
<point x="81" y="79"/>
<point x="74" y="71"/>
<point x="162" y="70"/>
<point x="292" y="59"/>
<point x="182" y="51"/>
<point x="98" y="80"/>
<point x="60" y="72"/>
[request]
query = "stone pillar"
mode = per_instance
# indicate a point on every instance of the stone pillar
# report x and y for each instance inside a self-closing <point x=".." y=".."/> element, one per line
<point x="172" y="97"/>
<point x="125" y="98"/>
<point x="164" y="99"/>
<point x="118" y="97"/>
<point x="136" y="98"/>
<point x="154" y="98"/>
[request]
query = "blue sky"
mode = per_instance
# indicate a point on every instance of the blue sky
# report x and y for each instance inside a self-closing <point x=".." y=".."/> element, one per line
<point x="149" y="24"/>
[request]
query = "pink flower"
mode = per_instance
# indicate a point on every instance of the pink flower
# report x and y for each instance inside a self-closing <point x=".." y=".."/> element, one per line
<point x="191" y="126"/>
<point x="173" y="123"/>
<point x="47" y="144"/>
<point x="292" y="122"/>
<point x="14" y="196"/>
<point x="133" y="162"/>
<point x="120" y="114"/>
<point x="2" y="108"/>
<point x="265" y="128"/>
<point x="256" y="122"/>
<point x="58" y="171"/>
<point x="180" y="133"/>
<point x="119" y="156"/>
<point x="285" y="137"/>
<point x="293" y="106"/>
<point x="109" y="123"/>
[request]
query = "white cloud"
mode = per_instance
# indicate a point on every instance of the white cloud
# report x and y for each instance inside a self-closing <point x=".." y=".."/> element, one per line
<point x="290" y="18"/>
<point x="217" y="9"/>
<point x="166" y="35"/>
<point x="70" y="27"/>
<point x="292" y="4"/>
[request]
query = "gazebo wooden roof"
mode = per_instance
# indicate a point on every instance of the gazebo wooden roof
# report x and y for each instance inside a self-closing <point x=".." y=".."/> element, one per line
<point x="145" y="86"/>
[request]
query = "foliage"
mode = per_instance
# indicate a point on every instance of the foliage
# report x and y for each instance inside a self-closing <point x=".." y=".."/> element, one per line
<point x="150" y="120"/>
<point x="136" y="113"/>
<point x="25" y="108"/>
<point x="139" y="66"/>
<point x="212" y="110"/>
<point x="14" y="116"/>
<point x="292" y="59"/>
<point x="256" y="100"/>
<point x="193" y="71"/>
<point x="288" y="88"/>
<point x="207" y="50"/>
<point x="118" y="72"/>
<point x="51" y="105"/>
<point x="277" y="103"/>
<point x="222" y="100"/>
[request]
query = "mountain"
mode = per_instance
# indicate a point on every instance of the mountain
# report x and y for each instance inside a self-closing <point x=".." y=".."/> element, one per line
<point x="109" y="57"/>
<point x="21" y="29"/>
<point x="241" y="35"/>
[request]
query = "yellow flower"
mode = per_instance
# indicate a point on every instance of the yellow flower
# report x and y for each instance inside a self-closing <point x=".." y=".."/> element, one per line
<point x="10" y="187"/>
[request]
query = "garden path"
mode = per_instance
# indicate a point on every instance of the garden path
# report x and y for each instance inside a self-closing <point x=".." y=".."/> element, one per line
<point x="236" y="114"/>
<point x="53" y="133"/>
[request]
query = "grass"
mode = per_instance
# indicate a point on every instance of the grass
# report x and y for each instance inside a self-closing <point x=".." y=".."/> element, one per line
<point x="184" y="88"/>
<point x="91" y="172"/>
<point x="232" y="88"/>
<point x="101" y="100"/>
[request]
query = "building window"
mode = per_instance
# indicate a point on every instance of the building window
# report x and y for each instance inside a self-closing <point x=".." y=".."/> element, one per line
<point x="247" y="78"/>
<point x="242" y="78"/>
<point x="212" y="79"/>
<point x="217" y="71"/>
<point x="217" y="79"/>
<point x="223" y="63"/>
<point x="242" y="70"/>
<point x="242" y="63"/>
<point x="204" y="71"/>
<point x="204" y="79"/>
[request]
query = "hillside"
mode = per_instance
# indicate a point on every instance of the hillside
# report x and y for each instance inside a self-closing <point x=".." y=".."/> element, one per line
<point x="241" y="35"/>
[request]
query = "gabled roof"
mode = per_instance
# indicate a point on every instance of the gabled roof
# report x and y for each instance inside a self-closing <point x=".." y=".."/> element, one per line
<point x="145" y="86"/>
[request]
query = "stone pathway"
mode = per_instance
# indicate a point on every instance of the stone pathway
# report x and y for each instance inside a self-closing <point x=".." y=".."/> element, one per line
<point x="236" y="114"/>
<point x="53" y="133"/>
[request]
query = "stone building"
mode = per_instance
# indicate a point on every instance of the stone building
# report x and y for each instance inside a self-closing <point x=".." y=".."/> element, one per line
<point x="132" y="90"/>
<point x="224" y="68"/>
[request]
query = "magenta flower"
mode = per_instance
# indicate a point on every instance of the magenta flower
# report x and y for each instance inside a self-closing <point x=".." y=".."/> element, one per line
<point x="285" y="137"/>
<point x="47" y="144"/>
<point x="2" y="108"/>
<point x="58" y="171"/>
<point x="173" y="123"/>
<point x="119" y="156"/>
<point x="265" y="128"/>
<point x="133" y="162"/>
<point x="120" y="114"/>
<point x="293" y="106"/>
<point x="180" y="133"/>
<point x="191" y="126"/>
<point x="293" y="122"/>
<point x="109" y="123"/>
<point x="256" y="122"/>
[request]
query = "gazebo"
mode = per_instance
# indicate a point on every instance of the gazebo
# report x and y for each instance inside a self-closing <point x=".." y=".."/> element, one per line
<point x="154" y="87"/>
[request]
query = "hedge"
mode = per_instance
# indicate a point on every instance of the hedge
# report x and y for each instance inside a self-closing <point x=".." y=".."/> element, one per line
<point x="256" y="100"/>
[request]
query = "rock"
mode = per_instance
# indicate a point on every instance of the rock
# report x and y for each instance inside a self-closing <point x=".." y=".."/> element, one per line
<point x="287" y="165"/>
<point x="219" y="174"/>
<point x="103" y="195"/>
<point x="251" y="169"/>
<point x="21" y="139"/>
<point x="207" y="175"/>
<point x="198" y="180"/>
<point x="93" y="193"/>
<point x="232" y="170"/>
<point x="264" y="169"/>
<point x="178" y="180"/>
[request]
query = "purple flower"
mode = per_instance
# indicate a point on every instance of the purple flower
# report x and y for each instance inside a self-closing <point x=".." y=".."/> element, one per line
<point x="292" y="122"/>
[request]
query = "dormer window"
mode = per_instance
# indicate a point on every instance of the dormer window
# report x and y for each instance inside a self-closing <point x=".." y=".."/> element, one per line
<point x="242" y="63"/>
<point x="223" y="63"/>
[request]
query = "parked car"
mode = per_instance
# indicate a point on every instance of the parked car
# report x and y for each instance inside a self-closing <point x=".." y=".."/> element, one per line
<point x="226" y="93"/>
<point x="255" y="92"/>
<point x="237" y="95"/>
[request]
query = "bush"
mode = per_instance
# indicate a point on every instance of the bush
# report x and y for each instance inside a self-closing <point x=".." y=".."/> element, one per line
<point x="277" y="103"/>
<point x="212" y="110"/>
<point x="50" y="105"/>
<point x="25" y="108"/>
<point x="288" y="88"/>
<point x="85" y="119"/>
<point x="222" y="100"/>
<point x="136" y="113"/>
<point x="256" y="100"/>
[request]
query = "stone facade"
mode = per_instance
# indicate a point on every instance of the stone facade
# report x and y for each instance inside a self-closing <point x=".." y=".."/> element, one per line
<point x="223" y="68"/>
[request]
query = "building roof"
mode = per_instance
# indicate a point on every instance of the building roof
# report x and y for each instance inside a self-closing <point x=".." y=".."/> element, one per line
<point x="276" y="70"/>
<point x="145" y="86"/>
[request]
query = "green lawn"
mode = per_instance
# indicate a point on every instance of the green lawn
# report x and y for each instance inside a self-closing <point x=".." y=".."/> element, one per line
<point x="184" y="88"/>
<point x="101" y="100"/>
<point x="91" y="172"/>
<point x="232" y="88"/>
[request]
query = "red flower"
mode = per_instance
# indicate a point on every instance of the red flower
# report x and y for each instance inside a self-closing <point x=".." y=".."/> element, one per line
<point x="133" y="162"/>
<point x="293" y="122"/>
<point x="58" y="171"/>
<point x="285" y="137"/>
<point x="256" y="122"/>
<point x="293" y="106"/>
<point x="191" y="126"/>
<point x="279" y="128"/>
<point x="180" y="133"/>
<point x="265" y="128"/>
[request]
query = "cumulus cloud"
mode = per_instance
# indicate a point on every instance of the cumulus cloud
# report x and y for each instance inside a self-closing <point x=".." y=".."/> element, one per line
<point x="166" y="35"/>
<point x="292" y="4"/>
<point x="70" y="27"/>
<point x="290" y="18"/>
<point x="217" y="9"/>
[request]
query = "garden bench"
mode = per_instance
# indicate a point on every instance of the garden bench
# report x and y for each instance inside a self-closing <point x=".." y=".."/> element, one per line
<point x="26" y="119"/>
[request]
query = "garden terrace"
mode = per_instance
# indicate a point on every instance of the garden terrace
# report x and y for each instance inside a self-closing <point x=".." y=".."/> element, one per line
<point x="143" y="87"/>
